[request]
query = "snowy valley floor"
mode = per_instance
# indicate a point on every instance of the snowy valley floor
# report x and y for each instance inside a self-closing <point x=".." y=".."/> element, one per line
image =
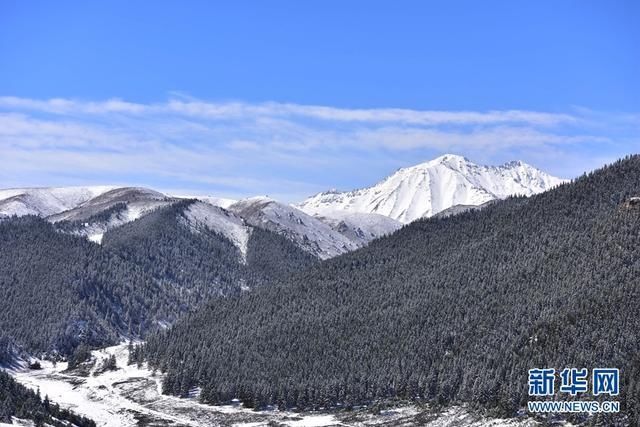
<point x="130" y="396"/>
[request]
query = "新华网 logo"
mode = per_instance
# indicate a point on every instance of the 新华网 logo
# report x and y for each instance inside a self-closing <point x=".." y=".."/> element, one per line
<point x="574" y="381"/>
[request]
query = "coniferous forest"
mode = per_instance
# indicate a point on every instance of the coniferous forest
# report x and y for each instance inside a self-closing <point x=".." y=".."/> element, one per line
<point x="61" y="291"/>
<point x="445" y="310"/>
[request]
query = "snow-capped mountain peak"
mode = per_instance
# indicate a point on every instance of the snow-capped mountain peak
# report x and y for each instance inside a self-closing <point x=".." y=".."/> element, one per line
<point x="449" y="159"/>
<point x="425" y="189"/>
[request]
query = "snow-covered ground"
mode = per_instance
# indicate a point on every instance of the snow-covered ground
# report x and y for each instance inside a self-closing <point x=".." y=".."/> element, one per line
<point x="130" y="396"/>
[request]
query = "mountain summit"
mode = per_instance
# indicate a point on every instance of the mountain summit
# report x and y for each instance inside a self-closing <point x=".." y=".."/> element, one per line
<point x="431" y="187"/>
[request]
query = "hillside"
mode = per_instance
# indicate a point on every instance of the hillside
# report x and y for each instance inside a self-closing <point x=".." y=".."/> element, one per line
<point x="307" y="232"/>
<point x="61" y="291"/>
<point x="453" y="310"/>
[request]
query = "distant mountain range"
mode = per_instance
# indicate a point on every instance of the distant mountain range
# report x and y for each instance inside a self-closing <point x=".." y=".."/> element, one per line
<point x="325" y="225"/>
<point x="92" y="211"/>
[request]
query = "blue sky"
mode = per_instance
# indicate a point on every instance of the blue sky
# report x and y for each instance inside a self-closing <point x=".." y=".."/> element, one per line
<point x="290" y="98"/>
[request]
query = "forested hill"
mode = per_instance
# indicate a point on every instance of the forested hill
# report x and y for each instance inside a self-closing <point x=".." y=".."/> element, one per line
<point x="202" y="262"/>
<point x="59" y="291"/>
<point x="454" y="309"/>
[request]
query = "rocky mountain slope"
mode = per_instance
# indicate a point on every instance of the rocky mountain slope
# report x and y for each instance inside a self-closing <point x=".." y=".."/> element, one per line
<point x="429" y="188"/>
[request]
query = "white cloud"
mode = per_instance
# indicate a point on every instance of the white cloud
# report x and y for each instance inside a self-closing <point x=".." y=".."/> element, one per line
<point x="493" y="138"/>
<point x="239" y="149"/>
<point x="236" y="110"/>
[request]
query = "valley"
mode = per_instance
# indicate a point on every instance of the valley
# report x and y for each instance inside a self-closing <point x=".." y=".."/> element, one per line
<point x="256" y="312"/>
<point x="131" y="396"/>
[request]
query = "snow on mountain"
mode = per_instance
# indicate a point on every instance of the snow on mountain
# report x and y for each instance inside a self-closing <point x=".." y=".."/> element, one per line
<point x="122" y="205"/>
<point x="46" y="201"/>
<point x="219" y="220"/>
<point x="308" y="232"/>
<point x="92" y="211"/>
<point x="215" y="201"/>
<point x="360" y="227"/>
<point x="327" y="224"/>
<point x="112" y="209"/>
<point x="431" y="187"/>
<point x="136" y="199"/>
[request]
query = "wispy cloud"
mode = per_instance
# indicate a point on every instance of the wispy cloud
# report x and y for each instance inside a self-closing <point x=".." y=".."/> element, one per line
<point x="235" y="110"/>
<point x="238" y="149"/>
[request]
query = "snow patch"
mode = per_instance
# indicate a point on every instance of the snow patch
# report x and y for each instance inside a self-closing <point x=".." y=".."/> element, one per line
<point x="95" y="237"/>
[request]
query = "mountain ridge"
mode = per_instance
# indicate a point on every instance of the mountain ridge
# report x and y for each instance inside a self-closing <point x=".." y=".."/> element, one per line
<point x="430" y="187"/>
<point x="46" y="201"/>
<point x="325" y="225"/>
